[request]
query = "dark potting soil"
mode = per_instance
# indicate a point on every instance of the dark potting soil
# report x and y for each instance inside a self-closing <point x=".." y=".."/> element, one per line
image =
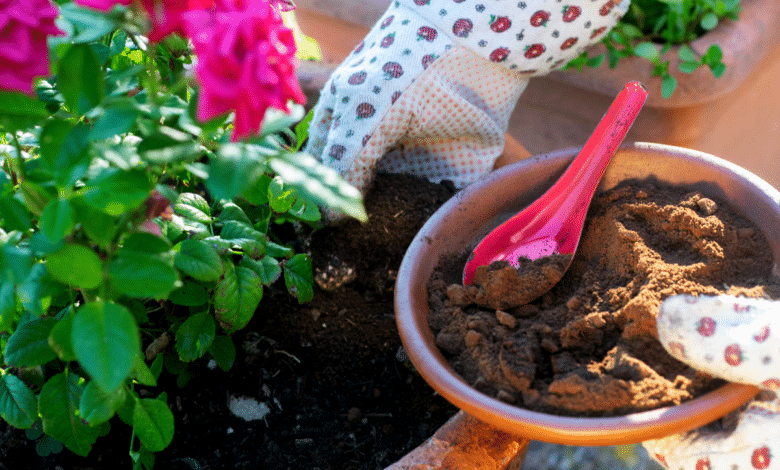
<point x="339" y="394"/>
<point x="589" y="346"/>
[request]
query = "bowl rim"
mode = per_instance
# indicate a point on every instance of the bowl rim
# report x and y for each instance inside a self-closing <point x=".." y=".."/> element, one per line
<point x="411" y="295"/>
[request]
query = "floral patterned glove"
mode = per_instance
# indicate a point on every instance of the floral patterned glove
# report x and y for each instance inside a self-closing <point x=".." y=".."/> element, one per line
<point x="735" y="339"/>
<point x="430" y="89"/>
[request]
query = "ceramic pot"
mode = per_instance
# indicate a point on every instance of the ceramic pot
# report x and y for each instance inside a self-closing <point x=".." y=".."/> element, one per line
<point x="460" y="223"/>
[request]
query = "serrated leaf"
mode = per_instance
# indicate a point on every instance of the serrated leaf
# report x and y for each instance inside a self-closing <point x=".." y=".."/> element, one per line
<point x="29" y="346"/>
<point x="153" y="424"/>
<point x="298" y="278"/>
<point x="58" y="405"/>
<point x="76" y="265"/>
<point x="199" y="260"/>
<point x="278" y="251"/>
<point x="266" y="268"/>
<point x="250" y="240"/>
<point x="194" y="336"/>
<point x="231" y="211"/>
<point x="231" y="170"/>
<point x="18" y="405"/>
<point x="224" y="352"/>
<point x="60" y="338"/>
<point x="106" y="342"/>
<point x="57" y="219"/>
<point x="319" y="184"/>
<point x="193" y="207"/>
<point x="189" y="294"/>
<point x="97" y="406"/>
<point x="236" y="297"/>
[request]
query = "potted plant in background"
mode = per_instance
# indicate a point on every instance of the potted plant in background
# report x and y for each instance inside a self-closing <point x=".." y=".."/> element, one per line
<point x="139" y="200"/>
<point x="705" y="111"/>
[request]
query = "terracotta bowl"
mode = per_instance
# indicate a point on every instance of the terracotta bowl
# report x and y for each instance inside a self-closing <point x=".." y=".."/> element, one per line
<point x="463" y="220"/>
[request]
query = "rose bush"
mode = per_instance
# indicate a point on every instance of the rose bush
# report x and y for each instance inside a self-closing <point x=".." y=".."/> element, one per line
<point x="149" y="158"/>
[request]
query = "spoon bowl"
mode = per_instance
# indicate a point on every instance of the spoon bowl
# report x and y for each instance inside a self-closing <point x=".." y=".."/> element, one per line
<point x="539" y="241"/>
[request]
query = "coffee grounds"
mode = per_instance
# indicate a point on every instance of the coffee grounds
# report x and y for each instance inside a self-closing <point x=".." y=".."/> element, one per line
<point x="589" y="346"/>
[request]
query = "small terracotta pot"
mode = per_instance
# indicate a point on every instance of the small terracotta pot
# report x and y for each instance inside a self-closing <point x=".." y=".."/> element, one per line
<point x="463" y="220"/>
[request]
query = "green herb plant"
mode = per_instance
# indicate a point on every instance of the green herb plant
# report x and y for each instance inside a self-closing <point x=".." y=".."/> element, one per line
<point x="651" y="27"/>
<point x="124" y="221"/>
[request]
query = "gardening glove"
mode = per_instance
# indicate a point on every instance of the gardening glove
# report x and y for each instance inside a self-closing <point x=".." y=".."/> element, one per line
<point x="735" y="339"/>
<point x="431" y="88"/>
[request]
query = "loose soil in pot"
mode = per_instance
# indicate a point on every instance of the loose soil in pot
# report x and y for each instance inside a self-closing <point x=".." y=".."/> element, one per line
<point x="589" y="346"/>
<point x="339" y="395"/>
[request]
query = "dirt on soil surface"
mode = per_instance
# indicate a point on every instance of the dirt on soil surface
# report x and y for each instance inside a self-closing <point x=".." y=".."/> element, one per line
<point x="339" y="391"/>
<point x="589" y="346"/>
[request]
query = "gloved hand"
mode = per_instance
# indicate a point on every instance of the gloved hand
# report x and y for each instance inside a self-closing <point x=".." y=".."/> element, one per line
<point x="431" y="88"/>
<point x="735" y="339"/>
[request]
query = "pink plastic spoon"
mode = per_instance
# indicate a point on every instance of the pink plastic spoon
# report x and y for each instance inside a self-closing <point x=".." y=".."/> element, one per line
<point x="553" y="223"/>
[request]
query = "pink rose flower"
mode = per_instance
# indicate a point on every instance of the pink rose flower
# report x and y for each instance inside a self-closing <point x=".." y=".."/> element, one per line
<point x="24" y="55"/>
<point x="102" y="5"/>
<point x="246" y="62"/>
<point x="168" y="15"/>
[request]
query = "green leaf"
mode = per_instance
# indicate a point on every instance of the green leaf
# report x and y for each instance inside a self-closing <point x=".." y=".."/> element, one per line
<point x="7" y="307"/>
<point x="194" y="336"/>
<point x="142" y="374"/>
<point x="714" y="54"/>
<point x="99" y="226"/>
<point x="37" y="289"/>
<point x="276" y="120"/>
<point x="266" y="268"/>
<point x="76" y="265"/>
<point x="57" y="219"/>
<point x="97" y="406"/>
<point x="298" y="278"/>
<point x="142" y="275"/>
<point x="113" y="122"/>
<point x="29" y="345"/>
<point x="648" y="51"/>
<point x="318" y="183"/>
<point x="92" y="24"/>
<point x="60" y="338"/>
<point x="232" y="170"/>
<point x="65" y="150"/>
<point x="18" y="405"/>
<point x="302" y="130"/>
<point x="718" y="69"/>
<point x="224" y="352"/>
<point x="668" y="85"/>
<point x="199" y="260"/>
<point x="280" y="198"/>
<point x="115" y="191"/>
<point x="169" y="147"/>
<point x="14" y="214"/>
<point x="58" y="405"/>
<point x="17" y="263"/>
<point x="19" y="111"/>
<point x="709" y="21"/>
<point x="686" y="54"/>
<point x="81" y="79"/>
<point x="278" y="251"/>
<point x="688" y="67"/>
<point x="189" y="294"/>
<point x="231" y="211"/>
<point x="193" y="207"/>
<point x="236" y="297"/>
<point x="153" y="424"/>
<point x="36" y="196"/>
<point x="106" y="342"/>
<point x="252" y="242"/>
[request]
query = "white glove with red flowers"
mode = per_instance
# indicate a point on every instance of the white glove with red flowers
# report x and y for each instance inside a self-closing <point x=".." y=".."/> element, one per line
<point x="430" y="89"/>
<point x="735" y="339"/>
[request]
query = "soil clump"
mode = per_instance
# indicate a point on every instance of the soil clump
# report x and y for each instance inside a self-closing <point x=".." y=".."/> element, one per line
<point x="589" y="347"/>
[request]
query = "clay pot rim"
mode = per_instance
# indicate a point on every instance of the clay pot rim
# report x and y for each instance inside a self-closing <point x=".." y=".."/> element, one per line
<point x="759" y="201"/>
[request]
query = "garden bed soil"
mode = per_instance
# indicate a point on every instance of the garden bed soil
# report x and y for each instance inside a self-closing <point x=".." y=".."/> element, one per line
<point x="339" y="390"/>
<point x="589" y="346"/>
